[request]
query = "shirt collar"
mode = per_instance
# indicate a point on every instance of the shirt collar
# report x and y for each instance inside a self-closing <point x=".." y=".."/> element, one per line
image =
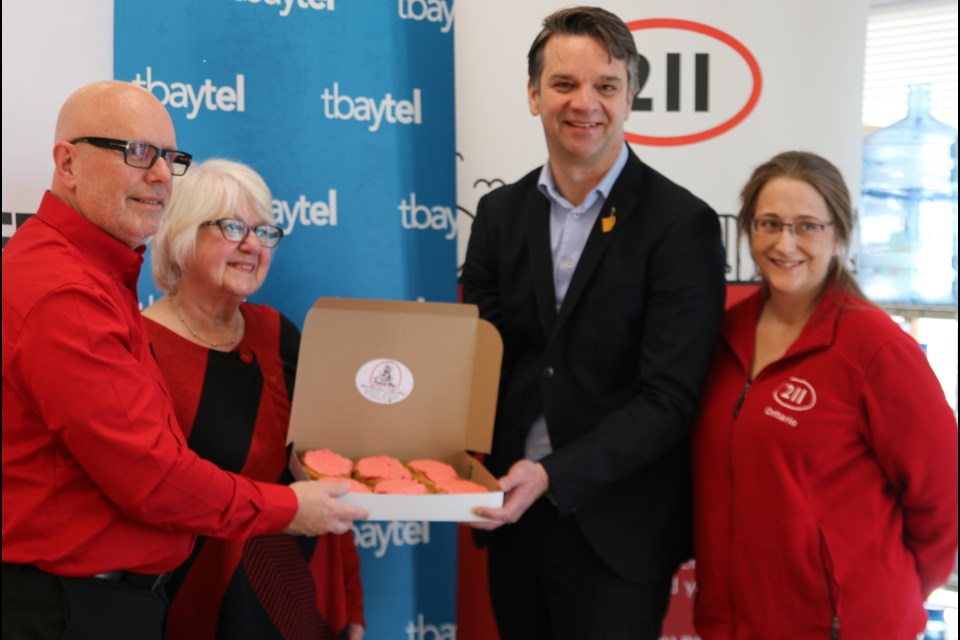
<point x="548" y="185"/>
<point x="106" y="252"/>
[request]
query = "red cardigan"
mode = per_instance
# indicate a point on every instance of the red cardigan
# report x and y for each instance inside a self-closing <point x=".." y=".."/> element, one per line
<point x="234" y="409"/>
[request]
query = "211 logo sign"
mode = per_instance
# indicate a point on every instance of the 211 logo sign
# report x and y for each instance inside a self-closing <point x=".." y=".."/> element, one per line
<point x="696" y="83"/>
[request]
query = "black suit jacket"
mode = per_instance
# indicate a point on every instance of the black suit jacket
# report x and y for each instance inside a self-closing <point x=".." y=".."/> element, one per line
<point x="617" y="370"/>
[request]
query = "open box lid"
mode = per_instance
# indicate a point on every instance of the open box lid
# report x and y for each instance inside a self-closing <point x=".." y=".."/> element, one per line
<point x="406" y="379"/>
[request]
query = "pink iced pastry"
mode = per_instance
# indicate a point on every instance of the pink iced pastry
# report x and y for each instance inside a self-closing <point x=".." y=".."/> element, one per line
<point x="355" y="487"/>
<point x="324" y="462"/>
<point x="400" y="487"/>
<point x="374" y="469"/>
<point x="432" y="470"/>
<point x="460" y="486"/>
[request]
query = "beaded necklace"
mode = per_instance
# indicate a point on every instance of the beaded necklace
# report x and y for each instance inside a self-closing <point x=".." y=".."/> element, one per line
<point x="212" y="345"/>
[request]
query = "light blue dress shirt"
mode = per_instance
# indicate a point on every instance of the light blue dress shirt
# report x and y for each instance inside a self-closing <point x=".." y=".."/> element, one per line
<point x="570" y="227"/>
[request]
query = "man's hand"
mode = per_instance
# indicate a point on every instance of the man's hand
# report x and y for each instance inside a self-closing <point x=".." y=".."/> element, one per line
<point x="320" y="512"/>
<point x="524" y="484"/>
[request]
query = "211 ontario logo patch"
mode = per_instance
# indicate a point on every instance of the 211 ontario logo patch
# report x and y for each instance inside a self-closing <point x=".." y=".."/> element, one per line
<point x="796" y="394"/>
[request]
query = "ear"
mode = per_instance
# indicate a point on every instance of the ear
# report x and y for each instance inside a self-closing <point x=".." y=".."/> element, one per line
<point x="533" y="99"/>
<point x="65" y="164"/>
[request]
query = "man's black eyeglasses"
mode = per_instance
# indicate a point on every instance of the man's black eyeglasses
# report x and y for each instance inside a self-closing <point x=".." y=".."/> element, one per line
<point x="143" y="155"/>
<point x="237" y="231"/>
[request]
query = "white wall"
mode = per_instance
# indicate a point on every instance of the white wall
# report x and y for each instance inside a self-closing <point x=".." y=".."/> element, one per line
<point x="50" y="48"/>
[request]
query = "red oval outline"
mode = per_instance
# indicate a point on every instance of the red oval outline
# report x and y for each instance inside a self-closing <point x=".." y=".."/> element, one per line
<point x="733" y="43"/>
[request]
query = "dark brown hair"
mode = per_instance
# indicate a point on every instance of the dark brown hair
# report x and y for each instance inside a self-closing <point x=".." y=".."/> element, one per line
<point x="599" y="24"/>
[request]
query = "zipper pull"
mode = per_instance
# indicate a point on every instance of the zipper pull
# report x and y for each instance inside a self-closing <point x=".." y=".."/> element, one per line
<point x="743" y="394"/>
<point x="835" y="628"/>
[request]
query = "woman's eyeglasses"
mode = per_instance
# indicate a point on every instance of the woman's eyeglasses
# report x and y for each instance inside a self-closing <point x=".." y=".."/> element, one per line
<point x="806" y="229"/>
<point x="237" y="231"/>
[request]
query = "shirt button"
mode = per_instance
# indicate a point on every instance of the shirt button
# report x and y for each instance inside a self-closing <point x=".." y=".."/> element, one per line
<point x="246" y="356"/>
<point x="548" y="372"/>
<point x="568" y="264"/>
<point x="532" y="451"/>
<point x="576" y="215"/>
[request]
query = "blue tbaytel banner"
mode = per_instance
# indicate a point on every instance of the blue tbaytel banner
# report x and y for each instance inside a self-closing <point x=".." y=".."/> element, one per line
<point x="347" y="111"/>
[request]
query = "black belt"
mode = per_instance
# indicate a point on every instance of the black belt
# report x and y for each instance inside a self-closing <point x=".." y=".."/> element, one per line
<point x="148" y="581"/>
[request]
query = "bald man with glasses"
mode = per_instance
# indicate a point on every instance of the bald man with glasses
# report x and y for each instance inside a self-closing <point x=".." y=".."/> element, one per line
<point x="101" y="496"/>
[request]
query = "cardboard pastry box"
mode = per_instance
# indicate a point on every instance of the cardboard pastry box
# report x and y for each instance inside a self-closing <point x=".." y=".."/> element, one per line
<point x="405" y="379"/>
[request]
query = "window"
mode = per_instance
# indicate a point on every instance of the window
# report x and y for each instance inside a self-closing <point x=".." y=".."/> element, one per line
<point x="909" y="42"/>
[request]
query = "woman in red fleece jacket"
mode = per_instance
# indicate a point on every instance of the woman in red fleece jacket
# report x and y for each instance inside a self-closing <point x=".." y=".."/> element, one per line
<point x="825" y="456"/>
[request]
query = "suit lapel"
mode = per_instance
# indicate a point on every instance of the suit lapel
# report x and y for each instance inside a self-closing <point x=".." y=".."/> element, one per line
<point x="537" y="210"/>
<point x="622" y="203"/>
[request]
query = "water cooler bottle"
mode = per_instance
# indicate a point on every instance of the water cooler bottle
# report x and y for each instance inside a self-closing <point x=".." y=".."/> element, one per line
<point x="908" y="209"/>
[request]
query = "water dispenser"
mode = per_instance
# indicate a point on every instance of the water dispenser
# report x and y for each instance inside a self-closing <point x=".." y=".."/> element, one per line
<point x="908" y="209"/>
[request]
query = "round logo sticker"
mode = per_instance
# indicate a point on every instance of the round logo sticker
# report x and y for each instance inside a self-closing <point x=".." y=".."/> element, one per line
<point x="796" y="394"/>
<point x="384" y="381"/>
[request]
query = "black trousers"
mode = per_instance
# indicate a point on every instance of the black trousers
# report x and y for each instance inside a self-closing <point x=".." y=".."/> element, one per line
<point x="38" y="606"/>
<point x="547" y="583"/>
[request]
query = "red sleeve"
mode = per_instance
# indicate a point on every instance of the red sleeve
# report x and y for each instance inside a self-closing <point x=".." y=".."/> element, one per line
<point x="101" y="394"/>
<point x="914" y="435"/>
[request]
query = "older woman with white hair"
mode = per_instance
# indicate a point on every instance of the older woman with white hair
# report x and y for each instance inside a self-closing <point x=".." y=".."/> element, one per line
<point x="230" y="366"/>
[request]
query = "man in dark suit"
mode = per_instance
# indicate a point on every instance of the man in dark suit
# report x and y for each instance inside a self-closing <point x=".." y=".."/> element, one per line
<point x="605" y="280"/>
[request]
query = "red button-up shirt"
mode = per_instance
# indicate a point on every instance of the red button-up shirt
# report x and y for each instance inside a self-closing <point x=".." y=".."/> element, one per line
<point x="97" y="475"/>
